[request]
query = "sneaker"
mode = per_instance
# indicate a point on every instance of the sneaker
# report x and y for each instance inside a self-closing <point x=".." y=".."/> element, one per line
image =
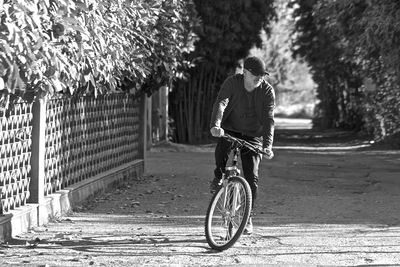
<point x="248" y="230"/>
<point x="215" y="185"/>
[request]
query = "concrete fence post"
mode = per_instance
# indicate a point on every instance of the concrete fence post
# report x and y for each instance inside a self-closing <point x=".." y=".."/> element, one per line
<point x="164" y="113"/>
<point x="37" y="183"/>
<point x="149" y="122"/>
<point x="143" y="128"/>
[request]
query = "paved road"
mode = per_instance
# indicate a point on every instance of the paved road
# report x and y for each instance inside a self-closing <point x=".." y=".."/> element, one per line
<point x="315" y="208"/>
<point x="287" y="123"/>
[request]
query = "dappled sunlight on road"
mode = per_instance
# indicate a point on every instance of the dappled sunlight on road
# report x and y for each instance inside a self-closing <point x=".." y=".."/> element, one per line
<point x="297" y="134"/>
<point x="290" y="123"/>
<point x="322" y="148"/>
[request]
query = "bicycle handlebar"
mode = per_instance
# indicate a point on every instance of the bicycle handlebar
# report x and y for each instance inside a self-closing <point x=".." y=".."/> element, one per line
<point x="242" y="143"/>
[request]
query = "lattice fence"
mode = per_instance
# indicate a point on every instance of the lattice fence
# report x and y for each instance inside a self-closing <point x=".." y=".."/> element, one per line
<point x="88" y="136"/>
<point x="15" y="154"/>
<point x="84" y="137"/>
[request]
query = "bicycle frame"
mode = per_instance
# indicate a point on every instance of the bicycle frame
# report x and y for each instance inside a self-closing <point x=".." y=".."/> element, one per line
<point x="233" y="169"/>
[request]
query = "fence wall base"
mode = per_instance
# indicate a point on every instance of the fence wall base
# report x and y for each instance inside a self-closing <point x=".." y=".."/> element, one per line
<point x="61" y="203"/>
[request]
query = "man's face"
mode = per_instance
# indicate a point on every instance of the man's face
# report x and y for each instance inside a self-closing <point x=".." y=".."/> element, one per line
<point x="251" y="80"/>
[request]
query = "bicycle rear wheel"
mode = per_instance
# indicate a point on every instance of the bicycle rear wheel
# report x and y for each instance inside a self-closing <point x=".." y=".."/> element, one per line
<point x="228" y="213"/>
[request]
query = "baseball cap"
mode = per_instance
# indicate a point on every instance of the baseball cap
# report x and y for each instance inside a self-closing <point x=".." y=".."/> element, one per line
<point x="256" y="66"/>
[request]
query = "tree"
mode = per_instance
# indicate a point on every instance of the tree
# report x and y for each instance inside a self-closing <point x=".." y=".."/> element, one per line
<point x="369" y="30"/>
<point x="89" y="46"/>
<point x="351" y="44"/>
<point x="228" y="30"/>
<point x="289" y="76"/>
<point x="336" y="77"/>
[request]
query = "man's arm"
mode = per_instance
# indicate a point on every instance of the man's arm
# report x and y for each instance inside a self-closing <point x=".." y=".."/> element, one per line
<point x="269" y="122"/>
<point x="220" y="104"/>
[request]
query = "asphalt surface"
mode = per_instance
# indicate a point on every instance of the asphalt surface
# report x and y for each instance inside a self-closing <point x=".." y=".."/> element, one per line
<point x="331" y="202"/>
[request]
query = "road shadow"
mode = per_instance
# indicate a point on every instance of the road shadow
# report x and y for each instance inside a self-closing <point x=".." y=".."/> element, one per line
<point x="117" y="235"/>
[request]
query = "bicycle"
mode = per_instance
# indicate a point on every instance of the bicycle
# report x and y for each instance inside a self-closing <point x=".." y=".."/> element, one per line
<point x="230" y="207"/>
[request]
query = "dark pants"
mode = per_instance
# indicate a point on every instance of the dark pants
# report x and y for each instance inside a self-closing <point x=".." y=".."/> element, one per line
<point x="250" y="160"/>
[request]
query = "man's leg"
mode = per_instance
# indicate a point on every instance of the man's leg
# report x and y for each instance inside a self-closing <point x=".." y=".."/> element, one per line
<point x="222" y="151"/>
<point x="250" y="163"/>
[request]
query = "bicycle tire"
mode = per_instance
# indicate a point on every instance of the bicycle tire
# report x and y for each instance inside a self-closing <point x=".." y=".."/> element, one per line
<point x="220" y="229"/>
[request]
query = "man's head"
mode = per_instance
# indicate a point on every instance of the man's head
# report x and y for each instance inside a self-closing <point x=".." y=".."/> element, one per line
<point x="254" y="72"/>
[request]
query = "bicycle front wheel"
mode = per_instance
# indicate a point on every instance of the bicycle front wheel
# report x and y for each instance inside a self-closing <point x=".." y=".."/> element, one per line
<point x="228" y="214"/>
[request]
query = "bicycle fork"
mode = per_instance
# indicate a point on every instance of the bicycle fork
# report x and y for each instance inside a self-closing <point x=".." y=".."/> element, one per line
<point x="231" y="201"/>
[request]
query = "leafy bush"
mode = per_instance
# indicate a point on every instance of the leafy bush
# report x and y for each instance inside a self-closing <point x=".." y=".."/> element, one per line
<point x="368" y="33"/>
<point x="50" y="46"/>
<point x="347" y="43"/>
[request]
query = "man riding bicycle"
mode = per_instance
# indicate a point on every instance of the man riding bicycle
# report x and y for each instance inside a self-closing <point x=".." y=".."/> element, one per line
<point x="244" y="108"/>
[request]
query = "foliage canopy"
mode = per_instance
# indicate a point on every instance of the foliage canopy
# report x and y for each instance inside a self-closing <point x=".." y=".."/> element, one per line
<point x="354" y="49"/>
<point x="49" y="46"/>
<point x="228" y="30"/>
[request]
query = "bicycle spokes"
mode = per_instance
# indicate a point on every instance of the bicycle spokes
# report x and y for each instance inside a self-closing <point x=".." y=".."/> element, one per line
<point x="228" y="213"/>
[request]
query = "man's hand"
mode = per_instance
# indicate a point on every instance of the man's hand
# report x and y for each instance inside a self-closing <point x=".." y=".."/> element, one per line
<point x="269" y="154"/>
<point x="217" y="131"/>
